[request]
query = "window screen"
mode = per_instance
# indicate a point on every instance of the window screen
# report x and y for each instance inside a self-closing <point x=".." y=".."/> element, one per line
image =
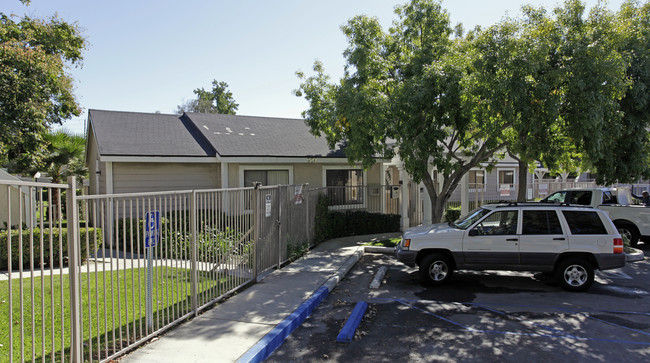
<point x="584" y="222"/>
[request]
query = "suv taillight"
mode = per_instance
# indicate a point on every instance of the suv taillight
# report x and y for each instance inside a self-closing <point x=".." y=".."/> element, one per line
<point x="618" y="245"/>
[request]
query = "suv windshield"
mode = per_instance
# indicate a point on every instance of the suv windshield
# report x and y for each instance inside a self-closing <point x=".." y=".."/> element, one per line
<point x="473" y="216"/>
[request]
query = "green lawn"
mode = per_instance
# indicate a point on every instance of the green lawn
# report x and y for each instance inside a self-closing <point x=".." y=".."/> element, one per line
<point x="114" y="319"/>
<point x="392" y="242"/>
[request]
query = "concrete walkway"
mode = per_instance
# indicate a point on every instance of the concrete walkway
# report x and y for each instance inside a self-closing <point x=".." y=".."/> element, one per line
<point x="229" y="331"/>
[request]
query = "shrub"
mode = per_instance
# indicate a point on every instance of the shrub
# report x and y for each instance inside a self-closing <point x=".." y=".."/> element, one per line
<point x="331" y="224"/>
<point x="56" y="251"/>
<point x="452" y="214"/>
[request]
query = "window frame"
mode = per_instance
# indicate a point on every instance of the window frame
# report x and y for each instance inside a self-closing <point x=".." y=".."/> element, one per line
<point x="514" y="177"/>
<point x="243" y="168"/>
<point x="474" y="188"/>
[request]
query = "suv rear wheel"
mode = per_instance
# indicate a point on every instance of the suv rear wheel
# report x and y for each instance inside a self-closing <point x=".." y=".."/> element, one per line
<point x="436" y="269"/>
<point x="575" y="274"/>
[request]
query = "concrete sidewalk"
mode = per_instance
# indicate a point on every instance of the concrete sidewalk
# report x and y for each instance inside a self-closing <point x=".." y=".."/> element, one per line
<point x="227" y="332"/>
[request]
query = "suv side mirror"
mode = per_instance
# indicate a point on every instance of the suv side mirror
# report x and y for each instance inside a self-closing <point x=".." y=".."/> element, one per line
<point x="473" y="232"/>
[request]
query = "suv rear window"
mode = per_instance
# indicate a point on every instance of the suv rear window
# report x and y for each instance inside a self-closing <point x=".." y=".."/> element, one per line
<point x="541" y="222"/>
<point x="581" y="222"/>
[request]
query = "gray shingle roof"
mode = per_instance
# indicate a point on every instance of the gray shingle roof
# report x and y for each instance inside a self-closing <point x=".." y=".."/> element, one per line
<point x="234" y="135"/>
<point x="146" y="134"/>
<point x="197" y="134"/>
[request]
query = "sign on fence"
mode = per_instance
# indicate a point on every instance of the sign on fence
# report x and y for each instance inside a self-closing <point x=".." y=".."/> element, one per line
<point x="504" y="190"/>
<point x="298" y="194"/>
<point x="152" y="228"/>
<point x="543" y="189"/>
<point x="268" y="205"/>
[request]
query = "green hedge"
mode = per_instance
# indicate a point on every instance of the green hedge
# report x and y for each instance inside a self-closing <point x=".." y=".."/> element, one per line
<point x="332" y="224"/>
<point x="56" y="253"/>
<point x="452" y="214"/>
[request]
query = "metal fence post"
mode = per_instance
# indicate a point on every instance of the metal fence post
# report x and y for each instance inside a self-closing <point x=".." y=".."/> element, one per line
<point x="193" y="263"/>
<point x="281" y="190"/>
<point x="256" y="228"/>
<point x="74" y="255"/>
<point x="306" y="196"/>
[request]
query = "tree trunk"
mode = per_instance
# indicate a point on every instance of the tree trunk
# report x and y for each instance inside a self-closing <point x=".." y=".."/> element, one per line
<point x="523" y="181"/>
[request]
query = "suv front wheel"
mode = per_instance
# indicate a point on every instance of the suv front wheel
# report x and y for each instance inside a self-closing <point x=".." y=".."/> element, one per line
<point x="436" y="269"/>
<point x="575" y="274"/>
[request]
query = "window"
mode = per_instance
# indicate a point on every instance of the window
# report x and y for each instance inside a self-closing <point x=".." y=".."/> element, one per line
<point x="344" y="186"/>
<point x="507" y="177"/>
<point x="584" y="222"/>
<point x="581" y="197"/>
<point x="499" y="223"/>
<point x="558" y="197"/>
<point x="476" y="179"/>
<point x="266" y="177"/>
<point x="541" y="222"/>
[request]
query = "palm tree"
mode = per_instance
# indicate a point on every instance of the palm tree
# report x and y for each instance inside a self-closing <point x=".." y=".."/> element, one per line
<point x="65" y="157"/>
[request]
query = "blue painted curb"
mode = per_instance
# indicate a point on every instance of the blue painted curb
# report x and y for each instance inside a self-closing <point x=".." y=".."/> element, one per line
<point x="274" y="339"/>
<point x="347" y="333"/>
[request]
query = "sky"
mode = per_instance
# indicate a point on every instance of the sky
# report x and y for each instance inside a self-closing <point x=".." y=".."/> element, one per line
<point x="149" y="55"/>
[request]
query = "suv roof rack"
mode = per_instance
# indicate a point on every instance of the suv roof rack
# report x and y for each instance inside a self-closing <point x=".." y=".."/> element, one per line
<point x="505" y="204"/>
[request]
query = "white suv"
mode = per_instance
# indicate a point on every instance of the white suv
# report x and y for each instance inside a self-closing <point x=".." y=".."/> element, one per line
<point x="570" y="241"/>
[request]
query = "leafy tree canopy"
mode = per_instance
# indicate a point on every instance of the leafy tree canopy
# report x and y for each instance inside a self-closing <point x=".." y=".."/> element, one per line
<point x="217" y="100"/>
<point x="35" y="89"/>
<point x="542" y="87"/>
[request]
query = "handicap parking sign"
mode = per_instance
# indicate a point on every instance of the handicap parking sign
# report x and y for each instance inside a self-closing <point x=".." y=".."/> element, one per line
<point x="152" y="228"/>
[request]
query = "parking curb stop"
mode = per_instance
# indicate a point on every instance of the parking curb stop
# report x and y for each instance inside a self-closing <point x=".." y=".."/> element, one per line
<point x="347" y="332"/>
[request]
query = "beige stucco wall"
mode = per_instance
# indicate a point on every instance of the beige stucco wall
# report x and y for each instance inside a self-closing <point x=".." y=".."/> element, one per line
<point x="13" y="206"/>
<point x="147" y="177"/>
<point x="308" y="173"/>
<point x="311" y="173"/>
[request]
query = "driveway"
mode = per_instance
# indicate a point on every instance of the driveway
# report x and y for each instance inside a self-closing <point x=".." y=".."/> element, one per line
<point x="479" y="316"/>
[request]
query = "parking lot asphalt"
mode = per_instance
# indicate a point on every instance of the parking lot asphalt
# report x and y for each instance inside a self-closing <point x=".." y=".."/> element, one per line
<point x="479" y="316"/>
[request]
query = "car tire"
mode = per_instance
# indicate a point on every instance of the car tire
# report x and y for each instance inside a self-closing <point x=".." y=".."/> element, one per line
<point x="628" y="230"/>
<point x="436" y="269"/>
<point x="575" y="274"/>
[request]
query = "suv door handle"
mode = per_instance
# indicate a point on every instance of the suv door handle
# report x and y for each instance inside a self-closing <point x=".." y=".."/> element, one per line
<point x="512" y="239"/>
<point x="559" y="239"/>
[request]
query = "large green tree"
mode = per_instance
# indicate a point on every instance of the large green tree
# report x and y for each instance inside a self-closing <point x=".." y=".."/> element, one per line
<point x="544" y="88"/>
<point x="217" y="100"/>
<point x="36" y="91"/>
<point x="630" y="156"/>
<point x="558" y="81"/>
<point x="402" y="92"/>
